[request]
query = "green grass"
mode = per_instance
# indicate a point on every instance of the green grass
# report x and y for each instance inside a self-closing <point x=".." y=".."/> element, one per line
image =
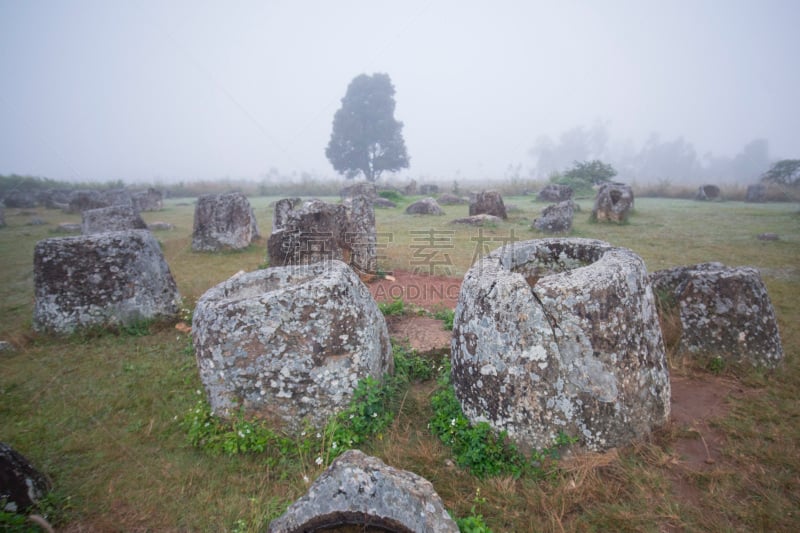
<point x="101" y="413"/>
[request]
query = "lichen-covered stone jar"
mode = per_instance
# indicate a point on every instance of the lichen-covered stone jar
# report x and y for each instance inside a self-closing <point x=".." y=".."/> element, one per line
<point x="289" y="344"/>
<point x="560" y="336"/>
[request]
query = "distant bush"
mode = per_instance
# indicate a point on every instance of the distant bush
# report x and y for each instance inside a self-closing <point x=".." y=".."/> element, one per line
<point x="394" y="196"/>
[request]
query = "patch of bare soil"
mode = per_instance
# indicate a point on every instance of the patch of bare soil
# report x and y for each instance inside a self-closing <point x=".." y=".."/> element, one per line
<point x="428" y="292"/>
<point x="696" y="403"/>
<point x="424" y="335"/>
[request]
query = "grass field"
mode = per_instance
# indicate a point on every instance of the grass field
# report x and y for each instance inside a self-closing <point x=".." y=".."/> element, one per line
<point x="101" y="412"/>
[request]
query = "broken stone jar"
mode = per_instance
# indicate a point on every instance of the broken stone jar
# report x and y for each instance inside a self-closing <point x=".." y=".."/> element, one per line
<point x="559" y="336"/>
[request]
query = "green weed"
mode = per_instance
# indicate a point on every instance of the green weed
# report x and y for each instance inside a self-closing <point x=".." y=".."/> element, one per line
<point x="482" y="450"/>
<point x="716" y="364"/>
<point x="473" y="523"/>
<point x="446" y="316"/>
<point x="393" y="308"/>
<point x="408" y="366"/>
<point x="137" y="328"/>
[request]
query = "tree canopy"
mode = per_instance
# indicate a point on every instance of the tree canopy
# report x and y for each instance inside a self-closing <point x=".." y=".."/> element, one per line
<point x="784" y="172"/>
<point x="366" y="138"/>
<point x="587" y="173"/>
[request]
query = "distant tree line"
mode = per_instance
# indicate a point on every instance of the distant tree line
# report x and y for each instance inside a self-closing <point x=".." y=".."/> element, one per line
<point x="657" y="160"/>
<point x="35" y="183"/>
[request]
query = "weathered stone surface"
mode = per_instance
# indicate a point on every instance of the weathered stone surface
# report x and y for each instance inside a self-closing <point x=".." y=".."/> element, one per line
<point x="363" y="491"/>
<point x="316" y="231"/>
<point x="36" y="221"/>
<point x="723" y="311"/>
<point x="289" y="344"/>
<point x="708" y="192"/>
<point x="767" y="237"/>
<point x="362" y="236"/>
<point x="87" y="199"/>
<point x="429" y="189"/>
<point x="6" y="347"/>
<point x="560" y="335"/>
<point x="114" y="218"/>
<point x="478" y="220"/>
<point x="280" y="212"/>
<point x="223" y="222"/>
<point x="56" y="198"/>
<point x="426" y="206"/>
<point x="118" y="197"/>
<point x="68" y="227"/>
<point x="384" y="203"/>
<point x="488" y="202"/>
<point x="555" y="192"/>
<point x="20" y="199"/>
<point x="149" y="200"/>
<point x="363" y="188"/>
<point x="613" y="203"/>
<point x="83" y="200"/>
<point x="21" y="485"/>
<point x="756" y="193"/>
<point x="410" y="189"/>
<point x="113" y="278"/>
<point x="451" y="199"/>
<point x="556" y="218"/>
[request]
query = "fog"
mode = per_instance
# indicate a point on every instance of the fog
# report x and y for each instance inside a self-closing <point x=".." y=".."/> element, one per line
<point x="165" y="91"/>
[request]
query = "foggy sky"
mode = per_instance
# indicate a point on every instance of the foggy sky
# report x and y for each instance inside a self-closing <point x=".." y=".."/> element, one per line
<point x="150" y="90"/>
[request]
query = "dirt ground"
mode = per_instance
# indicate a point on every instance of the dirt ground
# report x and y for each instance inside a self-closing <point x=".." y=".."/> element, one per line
<point x="696" y="401"/>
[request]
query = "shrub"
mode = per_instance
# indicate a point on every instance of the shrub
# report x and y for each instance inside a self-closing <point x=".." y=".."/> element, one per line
<point x="392" y="195"/>
<point x="396" y="307"/>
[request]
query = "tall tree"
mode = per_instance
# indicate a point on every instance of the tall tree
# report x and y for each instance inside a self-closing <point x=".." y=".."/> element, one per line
<point x="366" y="138"/>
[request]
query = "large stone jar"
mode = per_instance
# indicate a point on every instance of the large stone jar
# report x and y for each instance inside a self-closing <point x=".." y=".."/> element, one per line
<point x="560" y="335"/>
<point x="100" y="280"/>
<point x="289" y="344"/>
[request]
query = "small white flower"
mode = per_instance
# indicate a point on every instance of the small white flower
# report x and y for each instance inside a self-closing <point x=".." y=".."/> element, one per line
<point x="241" y="435"/>
<point x="374" y="415"/>
<point x="305" y="479"/>
<point x="319" y="436"/>
<point x="303" y="434"/>
<point x="333" y="446"/>
<point x="318" y="461"/>
<point x="352" y="416"/>
<point x="453" y="422"/>
<point x="197" y="392"/>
